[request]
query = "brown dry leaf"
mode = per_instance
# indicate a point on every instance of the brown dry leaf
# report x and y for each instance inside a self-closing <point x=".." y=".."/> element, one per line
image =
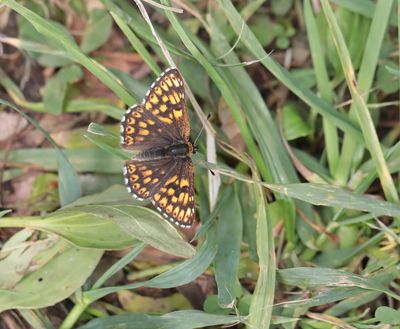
<point x="229" y="126"/>
<point x="21" y="193"/>
<point x="10" y="124"/>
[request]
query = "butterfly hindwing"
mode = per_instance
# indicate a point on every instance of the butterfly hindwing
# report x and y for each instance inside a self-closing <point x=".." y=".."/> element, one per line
<point x="175" y="199"/>
<point x="144" y="178"/>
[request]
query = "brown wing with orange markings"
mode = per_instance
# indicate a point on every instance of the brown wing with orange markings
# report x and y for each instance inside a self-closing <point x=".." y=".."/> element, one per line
<point x="161" y="119"/>
<point x="144" y="178"/>
<point x="175" y="199"/>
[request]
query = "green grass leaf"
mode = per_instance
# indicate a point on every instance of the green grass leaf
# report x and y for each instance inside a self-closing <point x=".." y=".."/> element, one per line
<point x="326" y="277"/>
<point x="229" y="230"/>
<point x="180" y="275"/>
<point x="68" y="180"/>
<point x="65" y="41"/>
<point x="186" y="319"/>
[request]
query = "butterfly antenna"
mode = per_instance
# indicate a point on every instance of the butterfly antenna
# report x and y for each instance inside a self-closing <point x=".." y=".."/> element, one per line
<point x="201" y="130"/>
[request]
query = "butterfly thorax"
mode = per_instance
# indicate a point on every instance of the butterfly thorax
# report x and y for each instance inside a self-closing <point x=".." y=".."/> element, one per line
<point x="178" y="150"/>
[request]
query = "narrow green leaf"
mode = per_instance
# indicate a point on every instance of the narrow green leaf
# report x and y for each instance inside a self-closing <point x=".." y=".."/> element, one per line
<point x="333" y="196"/>
<point x="69" y="184"/>
<point x="187" y="319"/>
<point x="260" y="313"/>
<point x="326" y="277"/>
<point x="229" y="230"/>
<point x="65" y="41"/>
<point x="283" y="75"/>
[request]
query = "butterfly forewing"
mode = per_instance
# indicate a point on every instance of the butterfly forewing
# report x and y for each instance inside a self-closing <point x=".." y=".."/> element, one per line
<point x="166" y="101"/>
<point x="161" y="119"/>
<point x="161" y="122"/>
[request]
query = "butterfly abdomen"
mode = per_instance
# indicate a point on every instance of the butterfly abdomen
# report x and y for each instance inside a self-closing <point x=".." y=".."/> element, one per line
<point x="174" y="150"/>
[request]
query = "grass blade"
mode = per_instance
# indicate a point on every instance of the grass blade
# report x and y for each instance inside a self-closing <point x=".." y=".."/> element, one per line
<point x="251" y="42"/>
<point x="67" y="43"/>
<point x="363" y="114"/>
<point x="229" y="230"/>
<point x="68" y="180"/>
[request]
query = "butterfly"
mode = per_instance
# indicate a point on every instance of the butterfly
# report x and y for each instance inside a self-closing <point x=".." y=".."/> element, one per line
<point x="159" y="130"/>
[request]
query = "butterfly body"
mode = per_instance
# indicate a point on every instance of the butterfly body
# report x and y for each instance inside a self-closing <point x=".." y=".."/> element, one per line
<point x="181" y="150"/>
<point x="159" y="130"/>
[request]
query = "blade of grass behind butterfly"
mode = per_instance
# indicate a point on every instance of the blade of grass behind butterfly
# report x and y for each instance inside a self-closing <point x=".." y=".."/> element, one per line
<point x="264" y="130"/>
<point x="323" y="85"/>
<point x="252" y="44"/>
<point x="360" y="107"/>
<point x="128" y="13"/>
<point x="73" y="106"/>
<point x="260" y="312"/>
<point x="226" y="263"/>
<point x="107" y="141"/>
<point x="69" y="186"/>
<point x="67" y="43"/>
<point x="365" y="78"/>
<point x="91" y="159"/>
<point x="223" y="87"/>
<point x="136" y="43"/>
<point x="366" y="8"/>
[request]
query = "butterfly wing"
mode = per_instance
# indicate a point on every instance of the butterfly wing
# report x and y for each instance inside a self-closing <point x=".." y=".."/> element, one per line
<point x="161" y="119"/>
<point x="144" y="178"/>
<point x="175" y="198"/>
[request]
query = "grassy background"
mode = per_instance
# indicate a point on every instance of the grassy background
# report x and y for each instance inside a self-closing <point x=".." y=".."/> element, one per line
<point x="300" y="224"/>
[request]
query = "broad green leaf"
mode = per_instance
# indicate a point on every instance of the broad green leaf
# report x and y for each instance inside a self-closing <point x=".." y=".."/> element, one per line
<point x="80" y="228"/>
<point x="260" y="313"/>
<point x="387" y="315"/>
<point x="108" y="227"/>
<point x="18" y="257"/>
<point x="53" y="282"/>
<point x="145" y="225"/>
<point x="97" y="30"/>
<point x="188" y="319"/>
